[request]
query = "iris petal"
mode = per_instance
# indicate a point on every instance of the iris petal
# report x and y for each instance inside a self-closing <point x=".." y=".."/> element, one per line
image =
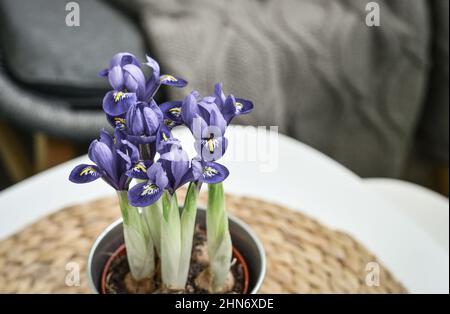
<point x="152" y="84"/>
<point x="219" y="95"/>
<point x="116" y="103"/>
<point x="138" y="79"/>
<point x="151" y="87"/>
<point x="119" y="135"/>
<point x="179" y="169"/>
<point x="161" y="178"/>
<point x="243" y="106"/>
<point x="138" y="171"/>
<point x="84" y="173"/>
<point x="117" y="121"/>
<point x="144" y="194"/>
<point x="157" y="174"/>
<point x="163" y="135"/>
<point x="106" y="138"/>
<point x="171" y="80"/>
<point x="154" y="66"/>
<point x="152" y="120"/>
<point x="229" y="108"/>
<point x="172" y="112"/>
<point x="123" y="58"/>
<point x="211" y="149"/>
<point x="102" y="156"/>
<point x="131" y="150"/>
<point x="213" y="172"/>
<point x="115" y="77"/>
<point x="189" y="109"/>
<point x="141" y="139"/>
<point x="103" y="73"/>
<point x="135" y="120"/>
<point x="217" y="120"/>
<point x="176" y="164"/>
<point x="125" y="158"/>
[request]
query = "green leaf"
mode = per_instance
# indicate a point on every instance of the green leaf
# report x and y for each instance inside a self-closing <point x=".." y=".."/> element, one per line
<point x="220" y="263"/>
<point x="218" y="237"/>
<point x="187" y="232"/>
<point x="140" y="253"/>
<point x="153" y="215"/>
<point x="170" y="242"/>
<point x="123" y="203"/>
<point x="138" y="242"/>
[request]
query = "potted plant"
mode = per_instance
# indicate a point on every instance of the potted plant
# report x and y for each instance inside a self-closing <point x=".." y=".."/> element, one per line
<point x="158" y="246"/>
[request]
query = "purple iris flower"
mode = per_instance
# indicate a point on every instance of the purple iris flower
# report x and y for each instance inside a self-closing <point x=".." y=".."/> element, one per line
<point x="207" y="124"/>
<point x="112" y="158"/>
<point x="172" y="113"/>
<point x="142" y="122"/>
<point x="117" y="121"/>
<point x="171" y="171"/>
<point x="146" y="193"/>
<point x="163" y="139"/>
<point x="156" y="80"/>
<point x="208" y="171"/>
<point x="230" y="106"/>
<point x="176" y="163"/>
<point x="128" y="83"/>
<point x="139" y="169"/>
<point x="161" y="144"/>
<point x="120" y="59"/>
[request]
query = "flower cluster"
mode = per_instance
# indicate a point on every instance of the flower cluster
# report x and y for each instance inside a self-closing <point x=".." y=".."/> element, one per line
<point x="143" y="148"/>
<point x="142" y="129"/>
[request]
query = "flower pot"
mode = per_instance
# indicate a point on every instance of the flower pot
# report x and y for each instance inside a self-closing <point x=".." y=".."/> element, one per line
<point x="247" y="249"/>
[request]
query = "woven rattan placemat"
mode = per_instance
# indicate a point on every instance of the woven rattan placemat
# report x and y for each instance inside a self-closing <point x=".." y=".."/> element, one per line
<point x="303" y="256"/>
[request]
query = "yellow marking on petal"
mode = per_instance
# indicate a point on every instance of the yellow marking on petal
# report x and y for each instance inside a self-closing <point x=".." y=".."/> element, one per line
<point x="164" y="136"/>
<point x="140" y="167"/>
<point x="149" y="189"/>
<point x="211" y="146"/>
<point x="168" y="77"/>
<point x="120" y="122"/>
<point x="118" y="96"/>
<point x="87" y="170"/>
<point x="209" y="171"/>
<point x="239" y="105"/>
<point x="176" y="109"/>
<point x="168" y="122"/>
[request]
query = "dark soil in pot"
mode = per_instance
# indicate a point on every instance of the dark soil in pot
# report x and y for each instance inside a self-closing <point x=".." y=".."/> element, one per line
<point x="117" y="272"/>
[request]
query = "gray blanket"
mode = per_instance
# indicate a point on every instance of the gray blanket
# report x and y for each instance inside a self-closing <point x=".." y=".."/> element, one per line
<point x="312" y="67"/>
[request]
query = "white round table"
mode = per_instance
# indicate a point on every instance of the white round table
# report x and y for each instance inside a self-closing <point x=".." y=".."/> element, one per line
<point x="277" y="168"/>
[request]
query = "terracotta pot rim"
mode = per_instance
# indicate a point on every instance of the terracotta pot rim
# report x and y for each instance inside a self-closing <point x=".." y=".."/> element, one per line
<point x="121" y="250"/>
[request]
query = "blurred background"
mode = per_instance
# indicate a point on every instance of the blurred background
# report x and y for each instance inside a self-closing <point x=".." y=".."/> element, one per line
<point x="376" y="99"/>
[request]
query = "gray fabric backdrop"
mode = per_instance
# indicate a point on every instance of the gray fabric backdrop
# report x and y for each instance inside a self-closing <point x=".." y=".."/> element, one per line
<point x="361" y="95"/>
<point x="312" y="67"/>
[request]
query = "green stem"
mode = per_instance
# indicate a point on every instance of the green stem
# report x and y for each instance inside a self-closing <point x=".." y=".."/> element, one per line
<point x="153" y="215"/>
<point x="188" y="217"/>
<point x="138" y="242"/>
<point x="170" y="242"/>
<point x="218" y="237"/>
<point x="177" y="234"/>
